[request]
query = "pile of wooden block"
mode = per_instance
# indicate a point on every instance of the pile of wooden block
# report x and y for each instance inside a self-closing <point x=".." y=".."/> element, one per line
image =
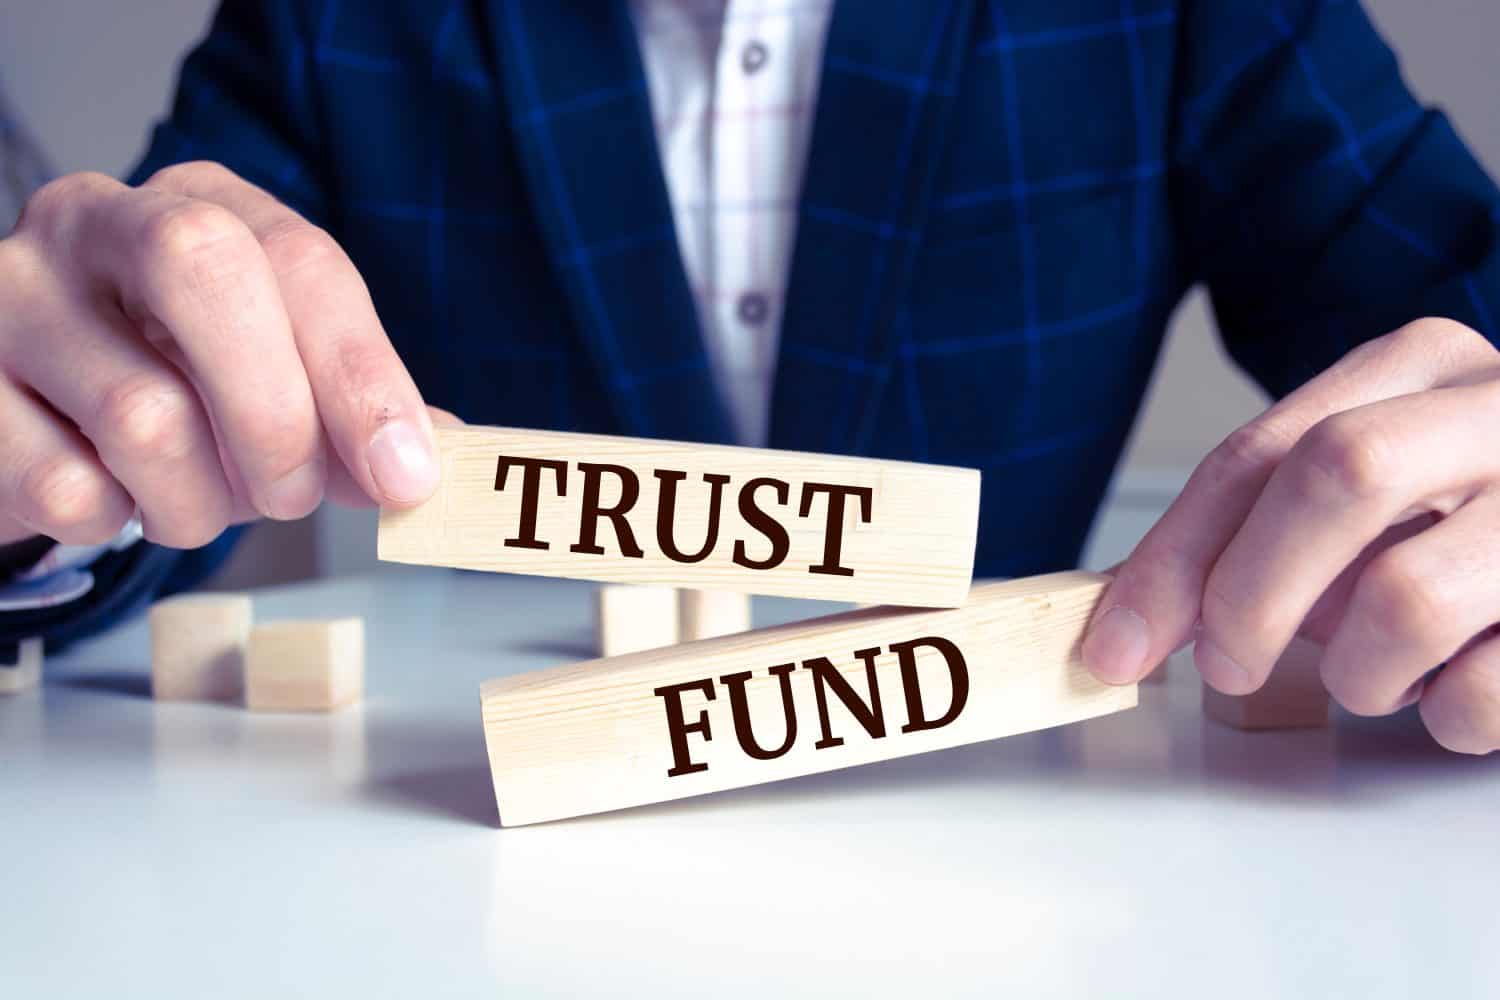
<point x="206" y="647"/>
<point x="688" y="700"/>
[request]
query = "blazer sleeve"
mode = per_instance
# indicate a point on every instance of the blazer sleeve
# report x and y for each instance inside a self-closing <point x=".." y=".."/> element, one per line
<point x="1322" y="205"/>
<point x="242" y="100"/>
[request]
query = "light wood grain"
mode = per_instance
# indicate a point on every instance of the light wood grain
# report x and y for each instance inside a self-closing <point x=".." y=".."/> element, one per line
<point x="596" y="736"/>
<point x="26" y="672"/>
<point x="1293" y="697"/>
<point x="629" y="619"/>
<point x="708" y="614"/>
<point x="916" y="548"/>
<point x="305" y="666"/>
<point x="198" y="646"/>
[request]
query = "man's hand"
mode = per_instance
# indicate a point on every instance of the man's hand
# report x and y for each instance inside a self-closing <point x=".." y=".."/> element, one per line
<point x="1363" y="512"/>
<point x="194" y="349"/>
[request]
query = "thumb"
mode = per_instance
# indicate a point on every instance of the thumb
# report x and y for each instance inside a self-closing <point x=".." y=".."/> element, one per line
<point x="342" y="488"/>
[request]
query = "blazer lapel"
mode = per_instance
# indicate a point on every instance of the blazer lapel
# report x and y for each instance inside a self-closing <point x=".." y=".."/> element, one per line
<point x="889" y="80"/>
<point x="581" y="117"/>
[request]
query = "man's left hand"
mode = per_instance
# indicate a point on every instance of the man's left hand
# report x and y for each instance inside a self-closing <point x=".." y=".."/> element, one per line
<point x="1362" y="512"/>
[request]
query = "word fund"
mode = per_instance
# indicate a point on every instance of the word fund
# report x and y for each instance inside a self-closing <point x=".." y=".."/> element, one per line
<point x="826" y="679"/>
<point x="816" y="695"/>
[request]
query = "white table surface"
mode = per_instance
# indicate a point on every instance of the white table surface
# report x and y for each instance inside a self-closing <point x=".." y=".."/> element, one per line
<point x="181" y="850"/>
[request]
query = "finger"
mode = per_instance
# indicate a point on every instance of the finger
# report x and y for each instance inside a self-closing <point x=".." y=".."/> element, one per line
<point x="1461" y="705"/>
<point x="443" y="418"/>
<point x="143" y="418"/>
<point x="1344" y="483"/>
<point x="1425" y="354"/>
<point x="1152" y="606"/>
<point x="12" y="530"/>
<point x="194" y="279"/>
<point x="1414" y="606"/>
<point x="1326" y="615"/>
<point x="1149" y="610"/>
<point x="344" y="491"/>
<point x="51" y="482"/>
<point x="242" y="509"/>
<point x="372" y="410"/>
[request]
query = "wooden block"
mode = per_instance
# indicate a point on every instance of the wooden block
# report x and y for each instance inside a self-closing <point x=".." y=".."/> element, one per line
<point x="305" y="666"/>
<point x="708" y="614"/>
<point x="198" y="647"/>
<point x="25" y="671"/>
<point x="630" y="619"/>
<point x="1292" y="698"/>
<point x="775" y="703"/>
<point x="624" y="510"/>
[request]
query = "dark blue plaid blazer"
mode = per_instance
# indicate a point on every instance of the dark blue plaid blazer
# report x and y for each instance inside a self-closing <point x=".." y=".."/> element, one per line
<point x="1004" y="201"/>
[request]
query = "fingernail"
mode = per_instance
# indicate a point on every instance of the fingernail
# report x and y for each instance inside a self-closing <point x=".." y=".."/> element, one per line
<point x="402" y="463"/>
<point x="1115" y="648"/>
<point x="1221" y="671"/>
<point x="297" y="493"/>
<point x="1413" y="695"/>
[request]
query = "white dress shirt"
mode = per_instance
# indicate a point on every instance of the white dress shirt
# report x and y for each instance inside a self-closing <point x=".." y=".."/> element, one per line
<point x="733" y="87"/>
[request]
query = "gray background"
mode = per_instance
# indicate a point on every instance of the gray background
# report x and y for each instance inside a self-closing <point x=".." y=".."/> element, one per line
<point x="90" y="75"/>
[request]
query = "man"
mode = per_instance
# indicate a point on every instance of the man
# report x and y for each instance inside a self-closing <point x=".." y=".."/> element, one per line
<point x="947" y="231"/>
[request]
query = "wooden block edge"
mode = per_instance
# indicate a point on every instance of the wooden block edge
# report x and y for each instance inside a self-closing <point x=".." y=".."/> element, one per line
<point x="1101" y="700"/>
<point x="26" y="673"/>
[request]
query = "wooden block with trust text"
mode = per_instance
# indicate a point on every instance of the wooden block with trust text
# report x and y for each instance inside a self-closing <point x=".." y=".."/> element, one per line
<point x="305" y="666"/>
<point x="628" y="510"/>
<point x="198" y="646"/>
<point x="629" y="619"/>
<point x="22" y="670"/>
<point x="797" y="699"/>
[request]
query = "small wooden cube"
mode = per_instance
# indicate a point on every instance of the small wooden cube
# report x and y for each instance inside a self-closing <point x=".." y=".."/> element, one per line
<point x="305" y="666"/>
<point x="21" y="669"/>
<point x="632" y="618"/>
<point x="708" y="614"/>
<point x="198" y="647"/>
<point x="1293" y="696"/>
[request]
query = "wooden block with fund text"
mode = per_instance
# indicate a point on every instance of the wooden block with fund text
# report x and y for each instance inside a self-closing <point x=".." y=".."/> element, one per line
<point x="627" y="510"/>
<point x="776" y="703"/>
<point x="305" y="666"/>
<point x="198" y="646"/>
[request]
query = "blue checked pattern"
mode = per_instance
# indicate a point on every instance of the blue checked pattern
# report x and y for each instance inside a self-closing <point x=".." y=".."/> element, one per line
<point x="1004" y="201"/>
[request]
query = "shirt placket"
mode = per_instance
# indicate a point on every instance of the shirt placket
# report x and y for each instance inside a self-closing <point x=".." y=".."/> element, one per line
<point x="745" y="136"/>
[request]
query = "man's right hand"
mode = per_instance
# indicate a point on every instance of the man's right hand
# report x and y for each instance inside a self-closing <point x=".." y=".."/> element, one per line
<point x="195" y="349"/>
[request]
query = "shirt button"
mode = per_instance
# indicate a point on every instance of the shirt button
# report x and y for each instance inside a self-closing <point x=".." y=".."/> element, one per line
<point x="752" y="308"/>
<point x="753" y="56"/>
